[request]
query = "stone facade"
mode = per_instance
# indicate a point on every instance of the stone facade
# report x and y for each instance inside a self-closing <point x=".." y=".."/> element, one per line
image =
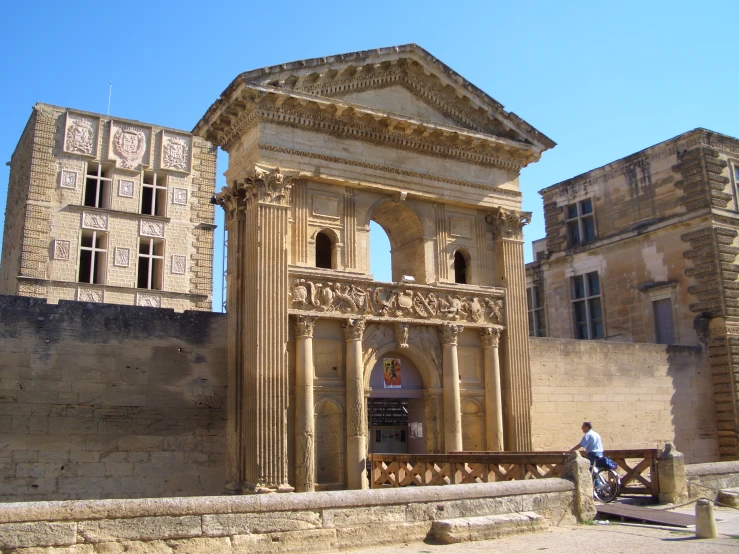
<point x="318" y="149"/>
<point x="107" y="210"/>
<point x="644" y="250"/>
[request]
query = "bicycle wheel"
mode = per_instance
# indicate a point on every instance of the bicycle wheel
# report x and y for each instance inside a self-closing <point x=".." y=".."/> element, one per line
<point x="605" y="485"/>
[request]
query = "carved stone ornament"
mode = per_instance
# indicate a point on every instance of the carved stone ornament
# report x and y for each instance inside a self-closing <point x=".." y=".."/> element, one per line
<point x="175" y="152"/>
<point x="93" y="220"/>
<point x="262" y="184"/>
<point x="125" y="188"/>
<point x="148" y="300"/>
<point x="395" y="301"/>
<point x="304" y="326"/>
<point x="353" y="329"/>
<point x="90" y="295"/>
<point x="490" y="336"/>
<point x="129" y="145"/>
<point x="80" y="135"/>
<point x="508" y="224"/>
<point x="179" y="196"/>
<point x="449" y="333"/>
<point x="68" y="179"/>
<point x="401" y="334"/>
<point x="151" y="228"/>
<point x="179" y="264"/>
<point x="61" y="249"/>
<point x="121" y="256"/>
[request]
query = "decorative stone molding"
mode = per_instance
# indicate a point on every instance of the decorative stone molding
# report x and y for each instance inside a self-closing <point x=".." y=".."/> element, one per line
<point x="80" y="135"/>
<point x="121" y="256"/>
<point x="90" y="295"/>
<point x="388" y="301"/>
<point x="179" y="197"/>
<point x="68" y="179"/>
<point x="125" y="188"/>
<point x="148" y="300"/>
<point x="148" y="228"/>
<point x="179" y="264"/>
<point x="508" y="224"/>
<point x="304" y="326"/>
<point x="176" y="150"/>
<point x="61" y="249"/>
<point x="262" y="184"/>
<point x="490" y="336"/>
<point x="401" y="334"/>
<point x="450" y="333"/>
<point x="353" y="329"/>
<point x="94" y="220"/>
<point x="128" y="145"/>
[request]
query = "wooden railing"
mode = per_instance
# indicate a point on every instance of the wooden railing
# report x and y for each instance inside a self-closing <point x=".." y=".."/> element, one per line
<point x="637" y="468"/>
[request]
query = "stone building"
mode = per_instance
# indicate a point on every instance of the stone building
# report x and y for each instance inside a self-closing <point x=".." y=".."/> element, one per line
<point x="644" y="250"/>
<point x="102" y="209"/>
<point x="318" y="149"/>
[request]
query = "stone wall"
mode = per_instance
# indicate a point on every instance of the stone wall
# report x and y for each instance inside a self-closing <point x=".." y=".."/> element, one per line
<point x="706" y="480"/>
<point x="636" y="396"/>
<point x="110" y="401"/>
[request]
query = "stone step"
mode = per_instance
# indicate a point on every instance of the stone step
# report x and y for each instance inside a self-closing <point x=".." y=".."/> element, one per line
<point x="481" y="528"/>
<point x="729" y="497"/>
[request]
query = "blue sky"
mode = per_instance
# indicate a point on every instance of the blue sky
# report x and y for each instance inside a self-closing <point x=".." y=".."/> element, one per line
<point x="602" y="79"/>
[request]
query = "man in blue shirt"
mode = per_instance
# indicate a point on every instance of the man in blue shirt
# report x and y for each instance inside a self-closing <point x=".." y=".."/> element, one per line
<point x="591" y="442"/>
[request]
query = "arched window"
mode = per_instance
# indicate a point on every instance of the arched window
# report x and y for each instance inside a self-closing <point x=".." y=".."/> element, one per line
<point x="380" y="256"/>
<point x="324" y="249"/>
<point x="460" y="268"/>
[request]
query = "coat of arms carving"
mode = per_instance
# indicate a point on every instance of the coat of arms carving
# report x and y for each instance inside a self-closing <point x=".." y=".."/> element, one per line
<point x="175" y="153"/>
<point x="80" y="136"/>
<point x="129" y="144"/>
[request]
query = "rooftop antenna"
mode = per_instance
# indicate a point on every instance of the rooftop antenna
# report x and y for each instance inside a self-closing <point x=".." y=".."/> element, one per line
<point x="110" y="93"/>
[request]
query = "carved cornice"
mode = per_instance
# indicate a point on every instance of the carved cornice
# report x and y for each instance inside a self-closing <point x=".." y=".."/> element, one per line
<point x="489" y="336"/>
<point x="331" y="296"/>
<point x="450" y="333"/>
<point x="353" y="329"/>
<point x="508" y="224"/>
<point x="304" y="326"/>
<point x="262" y="185"/>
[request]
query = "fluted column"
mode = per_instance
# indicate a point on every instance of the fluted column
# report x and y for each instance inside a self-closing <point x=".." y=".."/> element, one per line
<point x="452" y="403"/>
<point x="508" y="232"/>
<point x="257" y="417"/>
<point x="356" y="427"/>
<point x="493" y="399"/>
<point x="305" y="471"/>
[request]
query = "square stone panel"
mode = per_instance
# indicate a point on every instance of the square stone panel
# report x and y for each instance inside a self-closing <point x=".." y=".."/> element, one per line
<point x="90" y="295"/>
<point x="176" y="152"/>
<point x="93" y="220"/>
<point x="150" y="228"/>
<point x="129" y="145"/>
<point x="148" y="300"/>
<point x="61" y="249"/>
<point x="68" y="179"/>
<point x="325" y="206"/>
<point x="179" y="196"/>
<point x="179" y="264"/>
<point x="122" y="257"/>
<point x="125" y="188"/>
<point x="80" y="134"/>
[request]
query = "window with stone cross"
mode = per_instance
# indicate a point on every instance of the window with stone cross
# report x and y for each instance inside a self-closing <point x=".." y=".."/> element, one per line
<point x="580" y="223"/>
<point x="586" y="306"/>
<point x="98" y="184"/>
<point x="150" y="263"/>
<point x="537" y="319"/>
<point x="154" y="194"/>
<point x="93" y="257"/>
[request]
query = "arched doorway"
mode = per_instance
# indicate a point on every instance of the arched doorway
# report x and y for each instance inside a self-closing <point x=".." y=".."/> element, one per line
<point x="395" y="408"/>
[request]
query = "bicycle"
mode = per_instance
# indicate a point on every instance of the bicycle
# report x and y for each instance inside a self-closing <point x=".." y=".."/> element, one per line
<point x="606" y="483"/>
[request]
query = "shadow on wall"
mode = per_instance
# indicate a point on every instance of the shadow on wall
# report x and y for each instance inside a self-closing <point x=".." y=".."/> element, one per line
<point x="109" y="401"/>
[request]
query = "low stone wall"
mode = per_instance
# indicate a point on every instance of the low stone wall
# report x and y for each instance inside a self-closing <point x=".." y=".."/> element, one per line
<point x="276" y="522"/>
<point x="706" y="480"/>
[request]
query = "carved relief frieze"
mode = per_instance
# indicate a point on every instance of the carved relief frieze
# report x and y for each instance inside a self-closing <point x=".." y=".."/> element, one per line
<point x="61" y="249"/>
<point x="382" y="300"/>
<point x="150" y="228"/>
<point x="68" y="179"/>
<point x="176" y="150"/>
<point x="121" y="256"/>
<point x="94" y="220"/>
<point x="128" y="145"/>
<point x="80" y="135"/>
<point x="262" y="184"/>
<point x="179" y="196"/>
<point x="148" y="300"/>
<point x="125" y="188"/>
<point x="179" y="264"/>
<point x="90" y="295"/>
<point x="508" y="224"/>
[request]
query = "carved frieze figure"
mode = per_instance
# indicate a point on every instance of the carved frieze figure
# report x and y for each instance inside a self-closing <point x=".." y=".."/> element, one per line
<point x="129" y="144"/>
<point x="175" y="153"/>
<point x="401" y="334"/>
<point x="80" y="136"/>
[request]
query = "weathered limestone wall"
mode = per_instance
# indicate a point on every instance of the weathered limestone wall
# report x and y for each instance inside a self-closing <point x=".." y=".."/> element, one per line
<point x="706" y="480"/>
<point x="109" y="401"/>
<point x="277" y="522"/>
<point x="636" y="396"/>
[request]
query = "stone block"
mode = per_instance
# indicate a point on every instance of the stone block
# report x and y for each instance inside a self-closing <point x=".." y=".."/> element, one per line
<point x="340" y="517"/>
<point x="201" y="545"/>
<point x="244" y="524"/>
<point x="370" y="534"/>
<point x="17" y="535"/>
<point x="73" y="549"/>
<point x="486" y="527"/>
<point x="140" y="528"/>
<point x="135" y="547"/>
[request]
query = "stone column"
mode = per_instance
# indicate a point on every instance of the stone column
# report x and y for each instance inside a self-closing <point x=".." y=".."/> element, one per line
<point x="257" y="414"/>
<point x="508" y="233"/>
<point x="305" y="471"/>
<point x="493" y="398"/>
<point x="452" y="404"/>
<point x="356" y="427"/>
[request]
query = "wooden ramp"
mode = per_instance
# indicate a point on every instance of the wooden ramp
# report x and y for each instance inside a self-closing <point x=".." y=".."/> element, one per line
<point x="647" y="515"/>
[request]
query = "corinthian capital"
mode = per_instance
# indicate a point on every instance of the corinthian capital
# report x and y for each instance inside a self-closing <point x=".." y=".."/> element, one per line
<point x="508" y="224"/>
<point x="262" y="184"/>
<point x="449" y="333"/>
<point x="353" y="329"/>
<point x="304" y="326"/>
<point x="489" y="336"/>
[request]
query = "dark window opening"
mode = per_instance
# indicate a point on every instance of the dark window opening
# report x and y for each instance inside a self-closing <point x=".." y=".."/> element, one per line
<point x="97" y="186"/>
<point x="93" y="257"/>
<point x="460" y="268"/>
<point x="323" y="251"/>
<point x="154" y="194"/>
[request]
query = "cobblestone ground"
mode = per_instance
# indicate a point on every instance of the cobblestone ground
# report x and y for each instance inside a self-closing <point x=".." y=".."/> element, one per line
<point x="614" y="538"/>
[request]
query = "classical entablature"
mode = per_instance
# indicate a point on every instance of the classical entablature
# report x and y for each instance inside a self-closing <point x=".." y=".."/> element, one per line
<point x="418" y="104"/>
